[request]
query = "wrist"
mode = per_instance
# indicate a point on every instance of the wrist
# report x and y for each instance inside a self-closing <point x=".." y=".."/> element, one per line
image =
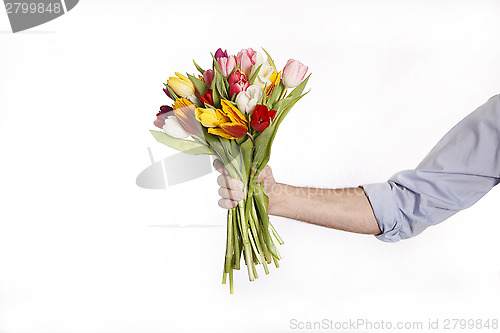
<point x="278" y="199"/>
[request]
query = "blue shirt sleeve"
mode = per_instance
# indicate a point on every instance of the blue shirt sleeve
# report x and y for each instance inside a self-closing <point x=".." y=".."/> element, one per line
<point x="459" y="170"/>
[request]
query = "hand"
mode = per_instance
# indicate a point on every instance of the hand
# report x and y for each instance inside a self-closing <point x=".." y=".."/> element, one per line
<point x="231" y="190"/>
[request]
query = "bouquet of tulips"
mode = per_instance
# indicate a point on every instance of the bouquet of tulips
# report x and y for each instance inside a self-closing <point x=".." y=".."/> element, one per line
<point x="233" y="110"/>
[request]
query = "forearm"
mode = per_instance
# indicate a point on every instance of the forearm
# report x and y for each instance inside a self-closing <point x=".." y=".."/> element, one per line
<point x="345" y="209"/>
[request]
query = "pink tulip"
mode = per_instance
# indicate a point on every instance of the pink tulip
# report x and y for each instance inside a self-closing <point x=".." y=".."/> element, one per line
<point x="238" y="87"/>
<point x="227" y="65"/>
<point x="208" y="77"/>
<point x="246" y="58"/>
<point x="293" y="73"/>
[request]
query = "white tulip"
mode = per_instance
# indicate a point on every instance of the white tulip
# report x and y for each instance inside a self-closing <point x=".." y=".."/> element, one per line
<point x="259" y="60"/>
<point x="173" y="128"/>
<point x="263" y="76"/>
<point x="193" y="99"/>
<point x="248" y="99"/>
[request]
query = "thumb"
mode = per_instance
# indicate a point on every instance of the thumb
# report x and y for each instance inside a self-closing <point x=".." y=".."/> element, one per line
<point x="264" y="174"/>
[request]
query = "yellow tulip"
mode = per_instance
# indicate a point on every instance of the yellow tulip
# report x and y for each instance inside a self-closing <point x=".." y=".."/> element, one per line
<point x="275" y="79"/>
<point x="181" y="85"/>
<point x="210" y="117"/>
<point x="229" y="122"/>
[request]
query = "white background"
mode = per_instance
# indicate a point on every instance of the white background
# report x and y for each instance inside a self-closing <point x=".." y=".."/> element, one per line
<point x="80" y="250"/>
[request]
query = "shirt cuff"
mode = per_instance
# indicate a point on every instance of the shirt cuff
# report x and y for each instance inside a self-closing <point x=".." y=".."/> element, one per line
<point x="386" y="210"/>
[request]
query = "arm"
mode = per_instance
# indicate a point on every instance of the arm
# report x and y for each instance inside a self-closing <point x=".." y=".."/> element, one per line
<point x="343" y="209"/>
<point x="459" y="170"/>
<point x="462" y="167"/>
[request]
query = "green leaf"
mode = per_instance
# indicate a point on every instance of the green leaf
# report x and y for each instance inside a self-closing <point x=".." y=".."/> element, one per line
<point x="216" y="65"/>
<point x="265" y="140"/>
<point x="298" y="89"/>
<point x="215" y="94"/>
<point x="246" y="149"/>
<point x="234" y="70"/>
<point x="269" y="58"/>
<point x="171" y="91"/>
<point x="275" y="95"/>
<point x="254" y="76"/>
<point x="198" y="67"/>
<point x="284" y="109"/>
<point x="262" y="100"/>
<point x="220" y="85"/>
<point x="198" y="84"/>
<point x="185" y="146"/>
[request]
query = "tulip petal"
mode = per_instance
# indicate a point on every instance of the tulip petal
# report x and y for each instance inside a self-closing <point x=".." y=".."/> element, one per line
<point x="173" y="128"/>
<point x="184" y="110"/>
<point x="220" y="132"/>
<point x="235" y="130"/>
<point x="232" y="112"/>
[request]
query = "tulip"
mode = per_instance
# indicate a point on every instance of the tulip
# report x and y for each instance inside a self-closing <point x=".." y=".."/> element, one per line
<point x="174" y="128"/>
<point x="209" y="117"/>
<point x="235" y="77"/>
<point x="261" y="118"/>
<point x="247" y="100"/>
<point x="264" y="75"/>
<point x="193" y="99"/>
<point x="293" y="73"/>
<point x="259" y="60"/>
<point x="275" y="79"/>
<point x="219" y="53"/>
<point x="181" y="85"/>
<point x="207" y="97"/>
<point x="226" y="65"/>
<point x="238" y="87"/>
<point x="237" y="83"/>
<point x="165" y="111"/>
<point x="228" y="123"/>
<point x="246" y="58"/>
<point x="184" y="111"/>
<point x="208" y="77"/>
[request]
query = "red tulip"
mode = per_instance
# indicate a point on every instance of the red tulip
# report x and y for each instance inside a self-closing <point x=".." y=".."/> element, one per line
<point x="235" y="77"/>
<point x="262" y="117"/>
<point x="237" y="83"/>
<point x="238" y="87"/>
<point x="207" y="97"/>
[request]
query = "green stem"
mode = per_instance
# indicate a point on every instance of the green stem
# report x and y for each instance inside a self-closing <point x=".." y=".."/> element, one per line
<point x="237" y="248"/>
<point x="229" y="242"/>
<point x="246" y="243"/>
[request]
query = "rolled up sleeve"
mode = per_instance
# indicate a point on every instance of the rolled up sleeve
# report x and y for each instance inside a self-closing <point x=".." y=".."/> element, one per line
<point x="459" y="170"/>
